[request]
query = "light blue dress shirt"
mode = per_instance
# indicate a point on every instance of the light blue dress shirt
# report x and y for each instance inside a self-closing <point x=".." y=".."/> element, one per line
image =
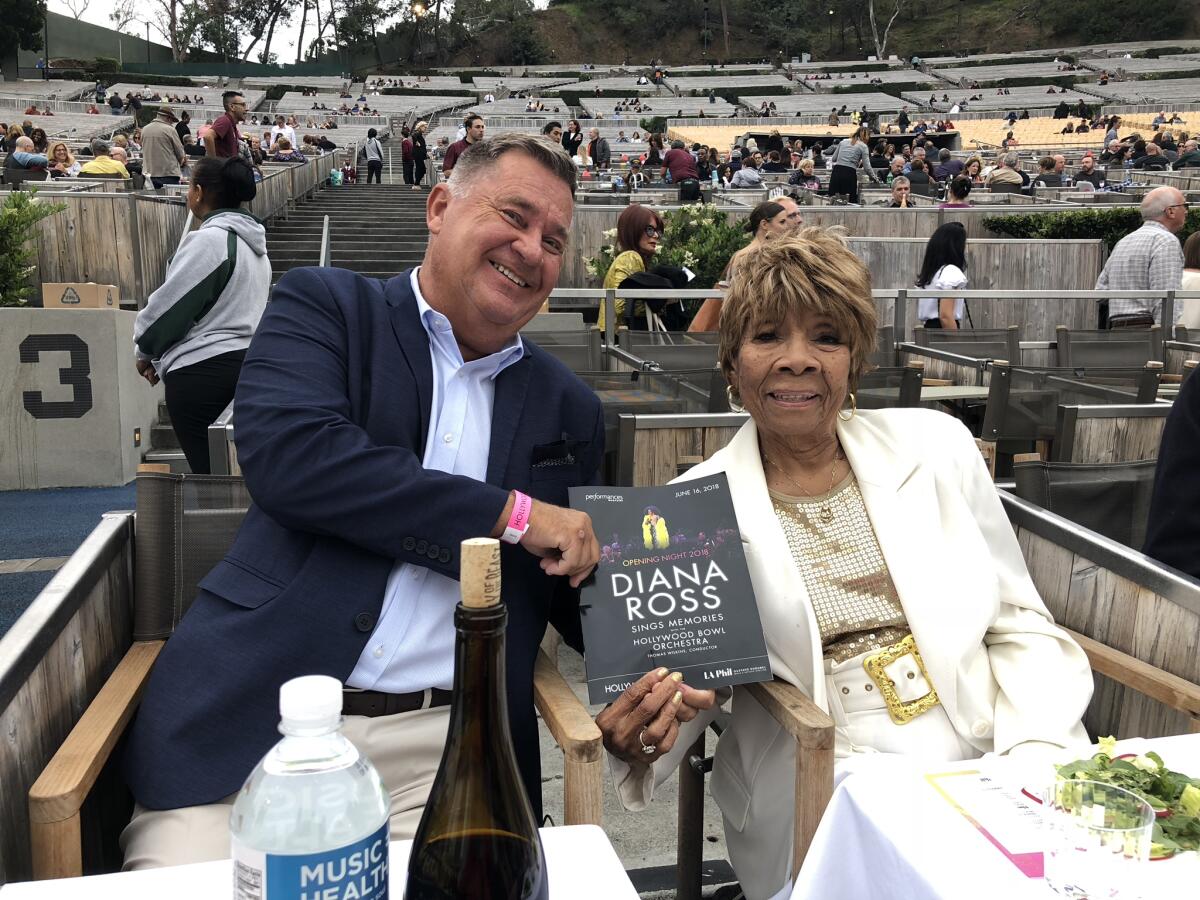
<point x="412" y="646"/>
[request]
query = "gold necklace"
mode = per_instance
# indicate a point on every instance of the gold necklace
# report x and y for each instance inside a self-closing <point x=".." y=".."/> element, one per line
<point x="825" y="512"/>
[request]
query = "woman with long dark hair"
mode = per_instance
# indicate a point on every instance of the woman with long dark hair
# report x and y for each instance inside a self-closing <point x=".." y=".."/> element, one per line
<point x="639" y="230"/>
<point x="944" y="268"/>
<point x="195" y="329"/>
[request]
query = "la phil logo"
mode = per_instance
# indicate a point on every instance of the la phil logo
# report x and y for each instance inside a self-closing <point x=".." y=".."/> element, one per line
<point x="718" y="673"/>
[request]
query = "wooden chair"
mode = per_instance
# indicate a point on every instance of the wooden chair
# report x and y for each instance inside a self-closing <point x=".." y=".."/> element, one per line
<point x="1111" y="433"/>
<point x="1023" y="401"/>
<point x="1108" y="347"/>
<point x="184" y="526"/>
<point x="1112" y="499"/>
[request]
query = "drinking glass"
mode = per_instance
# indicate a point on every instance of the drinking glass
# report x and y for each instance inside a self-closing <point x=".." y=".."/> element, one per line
<point x="1097" y="840"/>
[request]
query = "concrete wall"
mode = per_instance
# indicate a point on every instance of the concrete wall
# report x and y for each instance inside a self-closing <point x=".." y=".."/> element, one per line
<point x="70" y="399"/>
<point x="67" y="37"/>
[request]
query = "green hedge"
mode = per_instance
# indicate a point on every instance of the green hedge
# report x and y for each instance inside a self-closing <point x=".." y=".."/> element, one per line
<point x="1067" y="80"/>
<point x="413" y="92"/>
<point x="140" y="78"/>
<point x="972" y="63"/>
<point x="1107" y="224"/>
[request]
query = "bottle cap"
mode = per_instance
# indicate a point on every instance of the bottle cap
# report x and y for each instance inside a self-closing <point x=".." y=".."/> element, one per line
<point x="479" y="577"/>
<point x="311" y="700"/>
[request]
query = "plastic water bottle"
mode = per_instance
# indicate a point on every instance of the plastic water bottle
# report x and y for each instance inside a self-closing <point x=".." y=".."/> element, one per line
<point x="716" y="177"/>
<point x="312" y="819"/>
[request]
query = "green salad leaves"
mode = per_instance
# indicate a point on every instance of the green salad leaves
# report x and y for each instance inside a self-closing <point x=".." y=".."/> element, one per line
<point x="1175" y="796"/>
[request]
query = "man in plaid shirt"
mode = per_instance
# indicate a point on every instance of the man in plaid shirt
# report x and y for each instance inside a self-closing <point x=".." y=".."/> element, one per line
<point x="1150" y="259"/>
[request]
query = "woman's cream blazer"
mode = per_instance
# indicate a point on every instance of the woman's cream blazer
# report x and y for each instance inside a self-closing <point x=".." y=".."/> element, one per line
<point x="1004" y="672"/>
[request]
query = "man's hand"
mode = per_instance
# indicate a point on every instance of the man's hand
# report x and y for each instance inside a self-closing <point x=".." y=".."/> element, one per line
<point x="565" y="540"/>
<point x="146" y="370"/>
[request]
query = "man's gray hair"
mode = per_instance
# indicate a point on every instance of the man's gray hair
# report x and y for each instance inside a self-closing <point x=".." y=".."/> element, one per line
<point x="901" y="180"/>
<point x="677" y="145"/>
<point x="99" y="147"/>
<point x="24" y="142"/>
<point x="481" y="156"/>
<point x="944" y="154"/>
<point x="1012" y="160"/>
<point x="1154" y="204"/>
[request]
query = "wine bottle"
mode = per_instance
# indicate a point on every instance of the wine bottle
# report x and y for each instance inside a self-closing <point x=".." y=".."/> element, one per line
<point x="477" y="839"/>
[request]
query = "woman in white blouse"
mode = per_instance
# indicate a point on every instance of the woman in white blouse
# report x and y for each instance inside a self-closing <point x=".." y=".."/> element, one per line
<point x="1190" y="317"/>
<point x="943" y="269"/>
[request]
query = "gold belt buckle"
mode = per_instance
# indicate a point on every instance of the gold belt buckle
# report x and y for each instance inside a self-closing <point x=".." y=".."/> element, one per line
<point x="902" y="712"/>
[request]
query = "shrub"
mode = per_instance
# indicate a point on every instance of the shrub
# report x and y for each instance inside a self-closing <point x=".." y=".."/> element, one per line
<point x="105" y="65"/>
<point x="700" y="237"/>
<point x="19" y="214"/>
<point x="1109" y="225"/>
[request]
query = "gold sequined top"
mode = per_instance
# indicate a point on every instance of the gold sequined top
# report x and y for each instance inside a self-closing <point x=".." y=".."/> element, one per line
<point x="835" y="549"/>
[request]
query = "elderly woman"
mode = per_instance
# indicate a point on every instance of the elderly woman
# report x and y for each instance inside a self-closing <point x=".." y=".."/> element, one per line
<point x="805" y="177"/>
<point x="639" y="230"/>
<point x="940" y="660"/>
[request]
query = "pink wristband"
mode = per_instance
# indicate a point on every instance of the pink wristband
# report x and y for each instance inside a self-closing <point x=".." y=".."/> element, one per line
<point x="518" y="522"/>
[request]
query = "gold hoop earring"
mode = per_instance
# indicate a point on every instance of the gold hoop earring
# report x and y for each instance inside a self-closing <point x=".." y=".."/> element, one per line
<point x="853" y="409"/>
<point x="734" y="403"/>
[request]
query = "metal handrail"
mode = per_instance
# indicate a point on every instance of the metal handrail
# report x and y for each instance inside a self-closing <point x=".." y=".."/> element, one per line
<point x="323" y="259"/>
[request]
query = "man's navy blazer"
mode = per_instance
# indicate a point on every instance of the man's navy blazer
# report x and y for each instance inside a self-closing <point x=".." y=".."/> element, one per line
<point x="333" y="408"/>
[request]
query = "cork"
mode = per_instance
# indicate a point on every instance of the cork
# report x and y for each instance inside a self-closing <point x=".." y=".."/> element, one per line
<point x="479" y="577"/>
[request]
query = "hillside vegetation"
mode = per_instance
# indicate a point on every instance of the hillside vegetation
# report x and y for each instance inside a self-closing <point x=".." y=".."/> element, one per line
<point x="612" y="31"/>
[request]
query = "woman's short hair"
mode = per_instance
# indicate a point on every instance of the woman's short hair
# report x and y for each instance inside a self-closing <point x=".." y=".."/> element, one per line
<point x="283" y="143"/>
<point x="812" y="269"/>
<point x="227" y="181"/>
<point x="764" y="212"/>
<point x="960" y="187"/>
<point x="806" y="165"/>
<point x="632" y="225"/>
<point x="1191" y="252"/>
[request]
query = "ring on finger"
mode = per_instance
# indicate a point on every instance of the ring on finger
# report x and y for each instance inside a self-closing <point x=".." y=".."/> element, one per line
<point x="648" y="749"/>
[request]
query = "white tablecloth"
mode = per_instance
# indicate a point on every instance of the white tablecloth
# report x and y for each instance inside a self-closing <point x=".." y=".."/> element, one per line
<point x="889" y="833"/>
<point x="580" y="862"/>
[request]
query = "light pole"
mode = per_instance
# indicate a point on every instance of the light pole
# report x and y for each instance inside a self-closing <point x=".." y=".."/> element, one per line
<point x="146" y="22"/>
<point x="831" y="32"/>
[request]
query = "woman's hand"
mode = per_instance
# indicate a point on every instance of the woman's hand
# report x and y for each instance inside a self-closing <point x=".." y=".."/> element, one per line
<point x="648" y="714"/>
<point x="146" y="370"/>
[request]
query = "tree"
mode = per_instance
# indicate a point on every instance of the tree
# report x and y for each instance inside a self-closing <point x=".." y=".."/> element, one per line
<point x="123" y="14"/>
<point x="77" y="7"/>
<point x="21" y="24"/>
<point x="881" y="43"/>
<point x="179" y="21"/>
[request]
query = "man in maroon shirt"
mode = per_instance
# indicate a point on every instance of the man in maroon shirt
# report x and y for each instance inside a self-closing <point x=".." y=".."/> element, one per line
<point x="474" y="125"/>
<point x="222" y="138"/>
<point x="680" y="163"/>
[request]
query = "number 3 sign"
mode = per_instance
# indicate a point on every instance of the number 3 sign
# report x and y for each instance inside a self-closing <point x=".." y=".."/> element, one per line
<point x="77" y="376"/>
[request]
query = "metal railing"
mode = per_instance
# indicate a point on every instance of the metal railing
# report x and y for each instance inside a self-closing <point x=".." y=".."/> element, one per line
<point x="325" y="249"/>
<point x="590" y="298"/>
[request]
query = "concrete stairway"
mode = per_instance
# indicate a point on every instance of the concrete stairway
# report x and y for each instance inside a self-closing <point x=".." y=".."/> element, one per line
<point x="376" y="230"/>
<point x="164" y="445"/>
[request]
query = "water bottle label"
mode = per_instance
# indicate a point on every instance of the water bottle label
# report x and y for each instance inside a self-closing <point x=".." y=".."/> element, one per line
<point x="357" y="871"/>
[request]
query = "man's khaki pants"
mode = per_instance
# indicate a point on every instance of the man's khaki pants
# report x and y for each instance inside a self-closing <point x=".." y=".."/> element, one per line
<point x="405" y="749"/>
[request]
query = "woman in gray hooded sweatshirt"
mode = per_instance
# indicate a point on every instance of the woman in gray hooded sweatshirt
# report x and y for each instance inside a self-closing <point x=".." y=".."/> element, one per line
<point x="195" y="329"/>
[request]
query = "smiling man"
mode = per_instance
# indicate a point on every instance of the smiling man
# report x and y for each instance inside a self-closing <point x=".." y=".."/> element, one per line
<point x="378" y="425"/>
